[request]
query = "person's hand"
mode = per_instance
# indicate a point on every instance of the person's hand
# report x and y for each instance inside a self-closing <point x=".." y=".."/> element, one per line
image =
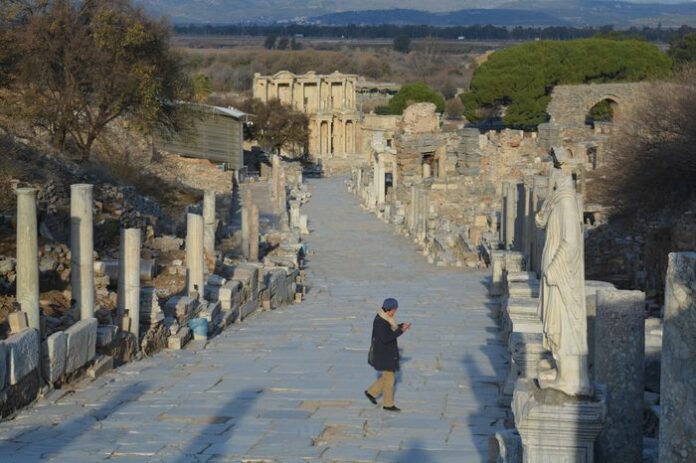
<point x="405" y="327"/>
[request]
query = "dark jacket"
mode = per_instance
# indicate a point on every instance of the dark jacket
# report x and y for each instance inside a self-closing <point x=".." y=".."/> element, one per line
<point x="384" y="350"/>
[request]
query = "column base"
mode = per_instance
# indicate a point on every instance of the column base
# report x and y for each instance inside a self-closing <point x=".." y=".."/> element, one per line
<point x="555" y="427"/>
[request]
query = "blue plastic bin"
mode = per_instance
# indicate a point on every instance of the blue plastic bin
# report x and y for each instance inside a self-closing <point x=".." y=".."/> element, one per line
<point x="199" y="327"/>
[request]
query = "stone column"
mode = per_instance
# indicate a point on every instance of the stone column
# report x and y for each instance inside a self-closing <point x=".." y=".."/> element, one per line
<point x="194" y="254"/>
<point x="254" y="234"/>
<point x="209" y="222"/>
<point x="619" y="365"/>
<point x="677" y="384"/>
<point x="275" y="172"/>
<point x="375" y="168"/>
<point x="510" y="215"/>
<point x="427" y="170"/>
<point x="382" y="184"/>
<point x="28" y="256"/>
<point x="282" y="201"/>
<point x="129" y="282"/>
<point x="246" y="211"/>
<point x="501" y="231"/>
<point x="82" y="250"/>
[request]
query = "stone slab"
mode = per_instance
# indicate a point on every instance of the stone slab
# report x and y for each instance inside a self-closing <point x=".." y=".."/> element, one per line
<point x="81" y="344"/>
<point x="54" y="352"/>
<point x="178" y="341"/>
<point x="23" y="354"/>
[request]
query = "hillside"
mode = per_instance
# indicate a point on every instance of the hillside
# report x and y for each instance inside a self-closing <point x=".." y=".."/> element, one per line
<point x="443" y="12"/>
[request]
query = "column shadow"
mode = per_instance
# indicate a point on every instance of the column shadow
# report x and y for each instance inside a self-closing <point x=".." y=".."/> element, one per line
<point x="235" y="408"/>
<point x="63" y="434"/>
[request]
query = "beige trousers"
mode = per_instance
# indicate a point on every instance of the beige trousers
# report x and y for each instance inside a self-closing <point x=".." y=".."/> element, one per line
<point x="384" y="385"/>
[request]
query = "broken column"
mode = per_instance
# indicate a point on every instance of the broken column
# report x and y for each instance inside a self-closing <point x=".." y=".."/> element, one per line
<point x="246" y="211"/>
<point x="129" y="281"/>
<point x="619" y="365"/>
<point x="28" y="256"/>
<point x="510" y="214"/>
<point x="275" y="172"/>
<point x="254" y="234"/>
<point x="82" y="250"/>
<point x="677" y="384"/>
<point x="209" y="222"/>
<point x="194" y="254"/>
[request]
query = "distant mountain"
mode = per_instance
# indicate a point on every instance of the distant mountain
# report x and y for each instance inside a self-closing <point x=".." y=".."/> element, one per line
<point x="497" y="17"/>
<point x="440" y="12"/>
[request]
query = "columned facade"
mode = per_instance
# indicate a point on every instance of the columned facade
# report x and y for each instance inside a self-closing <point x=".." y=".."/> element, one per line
<point x="328" y="100"/>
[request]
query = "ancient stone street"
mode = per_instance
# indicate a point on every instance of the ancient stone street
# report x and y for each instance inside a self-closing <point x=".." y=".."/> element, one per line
<point x="287" y="385"/>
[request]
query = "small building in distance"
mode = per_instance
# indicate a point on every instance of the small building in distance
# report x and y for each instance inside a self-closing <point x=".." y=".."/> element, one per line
<point x="217" y="134"/>
<point x="328" y="100"/>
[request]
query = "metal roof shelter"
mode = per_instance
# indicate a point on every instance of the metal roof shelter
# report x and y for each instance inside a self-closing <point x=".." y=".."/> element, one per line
<point x="217" y="135"/>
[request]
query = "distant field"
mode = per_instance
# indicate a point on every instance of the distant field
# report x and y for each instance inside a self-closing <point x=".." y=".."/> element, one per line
<point x="231" y="61"/>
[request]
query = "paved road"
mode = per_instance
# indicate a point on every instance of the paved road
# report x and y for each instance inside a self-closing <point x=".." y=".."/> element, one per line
<point x="287" y="385"/>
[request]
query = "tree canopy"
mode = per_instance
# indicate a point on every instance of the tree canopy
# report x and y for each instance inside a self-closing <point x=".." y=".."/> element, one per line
<point x="516" y="83"/>
<point x="413" y="93"/>
<point x="73" y="68"/>
<point x="276" y="127"/>
<point x="683" y="49"/>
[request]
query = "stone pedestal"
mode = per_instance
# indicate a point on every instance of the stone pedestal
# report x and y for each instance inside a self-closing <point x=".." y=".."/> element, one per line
<point x="129" y="283"/>
<point x="526" y="351"/>
<point x="209" y="222"/>
<point x="678" y="375"/>
<point x="194" y="254"/>
<point x="554" y="427"/>
<point x="254" y="233"/>
<point x="82" y="250"/>
<point x="497" y="269"/>
<point x="28" y="256"/>
<point x="620" y="354"/>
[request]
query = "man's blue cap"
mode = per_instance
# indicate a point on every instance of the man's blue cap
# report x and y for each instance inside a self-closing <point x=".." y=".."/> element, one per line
<point x="390" y="304"/>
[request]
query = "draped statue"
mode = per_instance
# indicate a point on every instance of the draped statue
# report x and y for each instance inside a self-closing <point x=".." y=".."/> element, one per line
<point x="562" y="292"/>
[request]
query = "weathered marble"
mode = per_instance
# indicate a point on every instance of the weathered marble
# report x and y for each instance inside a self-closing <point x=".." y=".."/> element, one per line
<point x="81" y="344"/>
<point x="194" y="254"/>
<point x="54" y="353"/>
<point x="555" y="427"/>
<point x="28" y="256"/>
<point x="82" y="250"/>
<point x="678" y="383"/>
<point x="619" y="366"/>
<point x="22" y="354"/>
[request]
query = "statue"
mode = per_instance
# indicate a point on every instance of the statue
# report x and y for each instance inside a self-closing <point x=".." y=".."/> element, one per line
<point x="562" y="292"/>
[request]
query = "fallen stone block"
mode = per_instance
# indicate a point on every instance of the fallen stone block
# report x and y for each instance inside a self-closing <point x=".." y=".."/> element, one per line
<point x="248" y="308"/>
<point x="148" y="270"/>
<point x="54" y="352"/>
<point x="101" y="365"/>
<point x="18" y="322"/>
<point x="227" y="318"/>
<point x="211" y="311"/>
<point x="181" y="307"/>
<point x="23" y="354"/>
<point x="248" y="275"/>
<point x="82" y="344"/>
<point x="179" y="340"/>
<point x="106" y="334"/>
<point x="216" y="280"/>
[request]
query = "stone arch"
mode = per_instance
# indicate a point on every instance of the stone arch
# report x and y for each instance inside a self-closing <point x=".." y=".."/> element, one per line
<point x="570" y="103"/>
<point x="614" y="108"/>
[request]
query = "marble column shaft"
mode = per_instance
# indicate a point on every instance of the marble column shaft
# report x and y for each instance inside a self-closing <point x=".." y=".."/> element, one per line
<point x="194" y="254"/>
<point x="82" y="250"/>
<point x="129" y="283"/>
<point x="678" y="371"/>
<point x="254" y="233"/>
<point x="246" y="211"/>
<point x="209" y="222"/>
<point x="28" y="256"/>
<point x="620" y="366"/>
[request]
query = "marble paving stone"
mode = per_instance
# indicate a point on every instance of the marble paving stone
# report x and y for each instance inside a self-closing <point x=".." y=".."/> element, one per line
<point x="286" y="386"/>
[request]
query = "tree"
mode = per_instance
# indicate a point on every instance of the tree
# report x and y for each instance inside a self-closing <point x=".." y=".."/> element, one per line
<point x="283" y="43"/>
<point x="650" y="164"/>
<point x="412" y="93"/>
<point x="402" y="44"/>
<point x="270" y="41"/>
<point x="454" y="108"/>
<point x="683" y="49"/>
<point x="276" y="127"/>
<point x="518" y="81"/>
<point x="202" y="87"/>
<point x="295" y="45"/>
<point x="81" y="66"/>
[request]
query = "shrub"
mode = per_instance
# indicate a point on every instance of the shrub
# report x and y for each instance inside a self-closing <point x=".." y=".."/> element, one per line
<point x="415" y="93"/>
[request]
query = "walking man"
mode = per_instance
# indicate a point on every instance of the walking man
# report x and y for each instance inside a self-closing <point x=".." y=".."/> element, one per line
<point x="384" y="353"/>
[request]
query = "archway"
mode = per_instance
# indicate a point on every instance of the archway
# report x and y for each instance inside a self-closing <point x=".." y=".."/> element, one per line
<point x="604" y="111"/>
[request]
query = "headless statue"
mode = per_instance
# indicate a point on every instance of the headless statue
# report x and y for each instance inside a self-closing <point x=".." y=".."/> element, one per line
<point x="562" y="295"/>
